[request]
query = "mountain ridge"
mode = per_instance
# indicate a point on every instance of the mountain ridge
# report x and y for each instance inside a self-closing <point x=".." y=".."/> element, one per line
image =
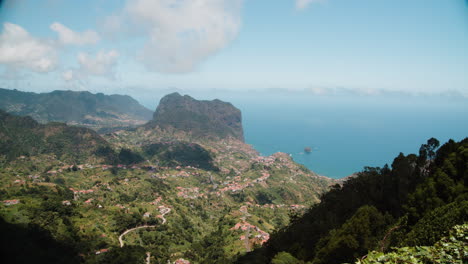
<point x="76" y="108"/>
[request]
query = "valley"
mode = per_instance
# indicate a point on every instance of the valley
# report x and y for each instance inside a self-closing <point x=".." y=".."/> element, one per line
<point x="166" y="190"/>
<point x="181" y="190"/>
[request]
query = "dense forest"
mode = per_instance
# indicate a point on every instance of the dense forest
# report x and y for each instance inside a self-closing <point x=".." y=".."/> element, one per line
<point x="415" y="202"/>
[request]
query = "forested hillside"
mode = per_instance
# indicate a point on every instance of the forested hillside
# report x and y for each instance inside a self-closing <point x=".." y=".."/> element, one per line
<point x="23" y="136"/>
<point x="415" y="202"/>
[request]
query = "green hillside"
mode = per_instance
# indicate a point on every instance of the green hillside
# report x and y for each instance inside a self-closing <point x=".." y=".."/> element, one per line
<point x="203" y="200"/>
<point x="166" y="194"/>
<point x="23" y="136"/>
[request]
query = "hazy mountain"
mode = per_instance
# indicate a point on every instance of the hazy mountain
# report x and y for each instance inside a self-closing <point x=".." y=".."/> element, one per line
<point x="215" y="118"/>
<point x="76" y="108"/>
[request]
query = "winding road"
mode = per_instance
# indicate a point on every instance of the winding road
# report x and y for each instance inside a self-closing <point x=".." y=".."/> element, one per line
<point x="163" y="212"/>
<point x="130" y="230"/>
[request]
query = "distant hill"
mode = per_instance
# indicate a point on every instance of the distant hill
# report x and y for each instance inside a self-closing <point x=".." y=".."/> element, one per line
<point x="199" y="118"/>
<point x="95" y="111"/>
<point x="23" y="136"/>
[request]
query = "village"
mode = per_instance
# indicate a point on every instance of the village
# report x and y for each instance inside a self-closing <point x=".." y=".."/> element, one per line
<point x="103" y="186"/>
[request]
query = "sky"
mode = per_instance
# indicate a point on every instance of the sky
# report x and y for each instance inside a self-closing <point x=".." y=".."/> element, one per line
<point x="138" y="47"/>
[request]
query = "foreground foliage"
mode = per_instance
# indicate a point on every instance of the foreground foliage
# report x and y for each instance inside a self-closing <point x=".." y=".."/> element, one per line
<point x="451" y="249"/>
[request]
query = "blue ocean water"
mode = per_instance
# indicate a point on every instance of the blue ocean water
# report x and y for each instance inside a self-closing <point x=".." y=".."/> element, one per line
<point x="345" y="133"/>
<point x="348" y="133"/>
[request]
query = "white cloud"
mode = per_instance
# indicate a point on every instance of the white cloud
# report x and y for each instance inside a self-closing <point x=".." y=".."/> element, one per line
<point x="68" y="75"/>
<point x="179" y="34"/>
<point x="101" y="65"/>
<point x="303" y="4"/>
<point x="68" y="36"/>
<point x="18" y="49"/>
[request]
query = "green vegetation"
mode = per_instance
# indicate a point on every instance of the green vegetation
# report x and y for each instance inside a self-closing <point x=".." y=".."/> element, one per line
<point x="32" y="244"/>
<point x="23" y="136"/>
<point x="174" y="154"/>
<point x="450" y="249"/>
<point x="413" y="203"/>
<point x="192" y="195"/>
<point x="167" y="191"/>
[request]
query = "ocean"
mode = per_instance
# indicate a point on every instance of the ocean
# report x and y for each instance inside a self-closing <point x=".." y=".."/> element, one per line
<point x="345" y="133"/>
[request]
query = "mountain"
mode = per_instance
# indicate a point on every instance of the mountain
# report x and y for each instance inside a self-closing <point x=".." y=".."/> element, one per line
<point x="179" y="188"/>
<point x="157" y="191"/>
<point x="413" y="203"/>
<point x="94" y="111"/>
<point x="215" y="118"/>
<point x="23" y="136"/>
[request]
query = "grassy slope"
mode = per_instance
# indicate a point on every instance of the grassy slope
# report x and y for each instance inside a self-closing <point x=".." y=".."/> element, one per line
<point x="198" y="217"/>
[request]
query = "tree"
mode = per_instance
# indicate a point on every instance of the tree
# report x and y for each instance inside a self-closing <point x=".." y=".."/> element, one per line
<point x="428" y="151"/>
<point x="354" y="238"/>
<point x="285" y="258"/>
<point x="125" y="255"/>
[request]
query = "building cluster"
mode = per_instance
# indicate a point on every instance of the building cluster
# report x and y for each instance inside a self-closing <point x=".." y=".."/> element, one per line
<point x="156" y="201"/>
<point x="237" y="184"/>
<point x="255" y="234"/>
<point x="10" y="202"/>
<point x="181" y="261"/>
<point x="190" y="193"/>
<point x="19" y="182"/>
<point x="104" y="250"/>
<point x="266" y="161"/>
<point x="77" y="193"/>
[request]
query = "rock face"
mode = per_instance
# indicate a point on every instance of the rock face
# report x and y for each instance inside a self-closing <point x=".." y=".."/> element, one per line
<point x="200" y="118"/>
<point x="76" y="108"/>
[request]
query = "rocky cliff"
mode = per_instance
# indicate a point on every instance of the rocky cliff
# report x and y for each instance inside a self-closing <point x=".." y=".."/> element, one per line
<point x="215" y="118"/>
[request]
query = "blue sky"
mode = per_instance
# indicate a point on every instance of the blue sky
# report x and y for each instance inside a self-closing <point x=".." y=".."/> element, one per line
<point x="140" y="46"/>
